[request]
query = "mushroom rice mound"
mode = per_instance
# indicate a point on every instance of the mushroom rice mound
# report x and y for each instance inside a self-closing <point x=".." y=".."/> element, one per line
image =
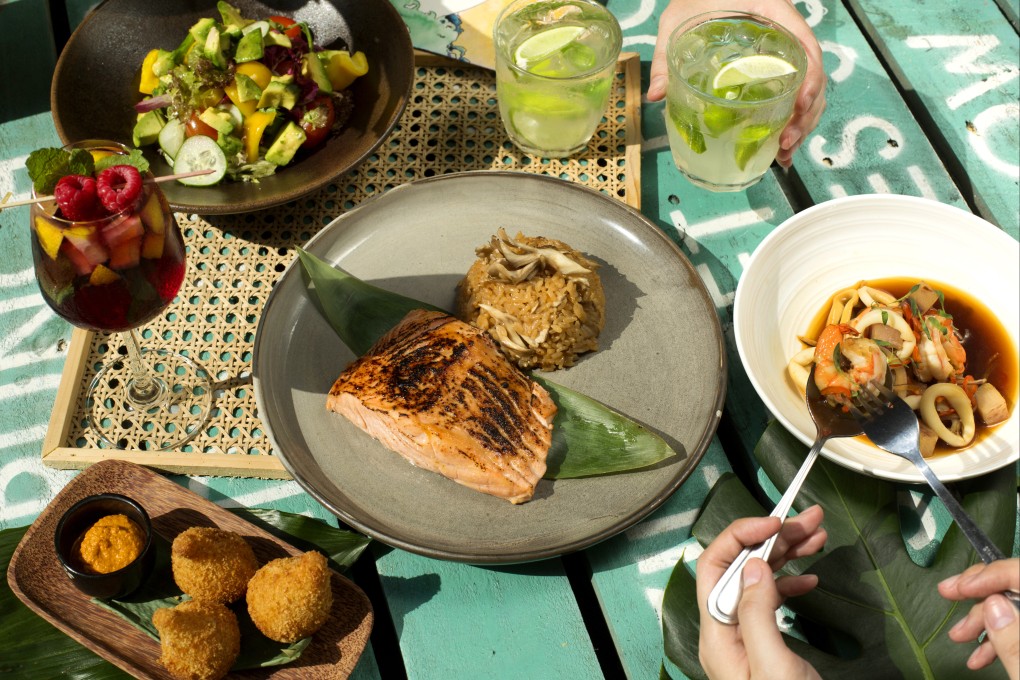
<point x="539" y="299"/>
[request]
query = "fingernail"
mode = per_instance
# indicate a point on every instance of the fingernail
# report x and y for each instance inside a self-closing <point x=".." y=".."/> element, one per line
<point x="658" y="84"/>
<point x="957" y="626"/>
<point x="752" y="574"/>
<point x="949" y="582"/>
<point x="792" y="139"/>
<point x="998" y="612"/>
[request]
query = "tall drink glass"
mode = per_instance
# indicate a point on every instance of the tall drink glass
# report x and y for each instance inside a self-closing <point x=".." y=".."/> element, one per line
<point x="733" y="81"/>
<point x="116" y="273"/>
<point x="555" y="64"/>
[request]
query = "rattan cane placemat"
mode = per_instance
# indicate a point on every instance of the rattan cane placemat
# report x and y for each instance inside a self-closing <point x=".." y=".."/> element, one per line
<point x="451" y="124"/>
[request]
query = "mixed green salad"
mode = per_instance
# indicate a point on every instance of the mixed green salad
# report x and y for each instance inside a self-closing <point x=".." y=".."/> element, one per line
<point x="242" y="96"/>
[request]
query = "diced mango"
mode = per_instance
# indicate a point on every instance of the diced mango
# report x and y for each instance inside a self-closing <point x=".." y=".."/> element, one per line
<point x="343" y="68"/>
<point x="50" y="236"/>
<point x="152" y="214"/>
<point x="102" y="275"/>
<point x="152" y="246"/>
<point x="148" y="81"/>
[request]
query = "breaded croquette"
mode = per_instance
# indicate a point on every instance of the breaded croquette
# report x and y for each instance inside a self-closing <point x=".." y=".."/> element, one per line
<point x="212" y="564"/>
<point x="291" y="597"/>
<point x="198" y="640"/>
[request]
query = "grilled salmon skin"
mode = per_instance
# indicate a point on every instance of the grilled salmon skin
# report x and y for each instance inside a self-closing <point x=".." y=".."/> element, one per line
<point x="440" y="393"/>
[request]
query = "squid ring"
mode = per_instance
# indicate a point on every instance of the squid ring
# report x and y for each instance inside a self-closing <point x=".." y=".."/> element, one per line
<point x="960" y="402"/>
<point x="888" y="318"/>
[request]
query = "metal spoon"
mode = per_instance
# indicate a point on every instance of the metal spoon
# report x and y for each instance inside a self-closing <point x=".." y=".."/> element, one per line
<point x="829" y="422"/>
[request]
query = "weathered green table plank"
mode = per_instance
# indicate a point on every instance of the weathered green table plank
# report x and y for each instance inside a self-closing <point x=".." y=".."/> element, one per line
<point x="1011" y="10"/>
<point x="27" y="58"/>
<point x="461" y="621"/>
<point x="630" y="571"/>
<point x="868" y="140"/>
<point x="963" y="69"/>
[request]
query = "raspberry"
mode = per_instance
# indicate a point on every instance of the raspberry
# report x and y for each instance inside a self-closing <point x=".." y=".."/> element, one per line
<point x="119" y="187"/>
<point x="76" y="196"/>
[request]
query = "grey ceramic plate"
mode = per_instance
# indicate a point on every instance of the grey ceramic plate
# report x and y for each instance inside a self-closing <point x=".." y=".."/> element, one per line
<point x="662" y="363"/>
<point x="95" y="86"/>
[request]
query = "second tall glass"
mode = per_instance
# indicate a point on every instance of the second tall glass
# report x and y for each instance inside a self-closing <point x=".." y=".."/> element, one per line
<point x="733" y="81"/>
<point x="555" y="64"/>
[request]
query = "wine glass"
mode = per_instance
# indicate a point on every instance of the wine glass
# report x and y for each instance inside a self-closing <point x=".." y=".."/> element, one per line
<point x="115" y="274"/>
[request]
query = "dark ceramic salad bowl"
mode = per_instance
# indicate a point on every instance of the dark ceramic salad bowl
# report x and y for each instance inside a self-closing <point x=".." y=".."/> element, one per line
<point x="95" y="87"/>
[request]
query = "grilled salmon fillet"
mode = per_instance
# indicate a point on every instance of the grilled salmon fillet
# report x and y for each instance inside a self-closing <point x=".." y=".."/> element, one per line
<point x="440" y="393"/>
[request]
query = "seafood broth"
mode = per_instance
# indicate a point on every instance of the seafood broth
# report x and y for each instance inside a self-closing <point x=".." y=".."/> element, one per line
<point x="991" y="352"/>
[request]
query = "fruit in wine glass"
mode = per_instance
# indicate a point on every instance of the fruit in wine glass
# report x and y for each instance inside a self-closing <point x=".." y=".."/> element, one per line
<point x="108" y="252"/>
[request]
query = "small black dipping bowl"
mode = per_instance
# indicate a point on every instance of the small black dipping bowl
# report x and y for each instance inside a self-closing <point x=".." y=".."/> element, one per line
<point x="77" y="520"/>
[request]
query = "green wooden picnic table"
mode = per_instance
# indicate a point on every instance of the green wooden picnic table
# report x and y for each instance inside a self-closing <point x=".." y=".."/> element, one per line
<point x="922" y="101"/>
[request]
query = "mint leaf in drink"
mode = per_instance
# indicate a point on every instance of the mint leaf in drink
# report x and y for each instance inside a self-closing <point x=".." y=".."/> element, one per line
<point x="80" y="162"/>
<point x="135" y="158"/>
<point x="45" y="168"/>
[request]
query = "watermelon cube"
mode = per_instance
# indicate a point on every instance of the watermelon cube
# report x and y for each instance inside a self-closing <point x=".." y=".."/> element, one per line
<point x="122" y="230"/>
<point x="84" y="248"/>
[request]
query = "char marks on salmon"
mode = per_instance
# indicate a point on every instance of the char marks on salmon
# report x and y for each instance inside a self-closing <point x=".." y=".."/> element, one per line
<point x="440" y="393"/>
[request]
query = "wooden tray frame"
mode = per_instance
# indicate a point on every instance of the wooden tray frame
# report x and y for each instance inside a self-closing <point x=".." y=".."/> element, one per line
<point x="59" y="452"/>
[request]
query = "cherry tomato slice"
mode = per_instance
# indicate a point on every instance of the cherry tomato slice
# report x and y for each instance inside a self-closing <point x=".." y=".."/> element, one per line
<point x="291" y="29"/>
<point x="317" y="120"/>
<point x="196" y="126"/>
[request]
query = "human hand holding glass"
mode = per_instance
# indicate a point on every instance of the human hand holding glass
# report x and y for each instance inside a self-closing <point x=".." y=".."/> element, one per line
<point x="114" y="271"/>
<point x="810" y="102"/>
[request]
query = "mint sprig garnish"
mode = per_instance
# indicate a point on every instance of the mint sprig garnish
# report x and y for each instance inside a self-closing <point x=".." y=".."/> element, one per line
<point x="47" y="166"/>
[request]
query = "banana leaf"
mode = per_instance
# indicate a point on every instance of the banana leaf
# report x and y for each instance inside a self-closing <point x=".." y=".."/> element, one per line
<point x="31" y="648"/>
<point x="588" y="439"/>
<point x="876" y="612"/>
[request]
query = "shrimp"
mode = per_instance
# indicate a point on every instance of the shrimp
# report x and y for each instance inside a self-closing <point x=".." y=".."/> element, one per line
<point x="940" y="353"/>
<point x="866" y="360"/>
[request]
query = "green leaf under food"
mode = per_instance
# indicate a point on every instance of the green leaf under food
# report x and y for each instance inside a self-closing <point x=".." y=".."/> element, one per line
<point x="589" y="438"/>
<point x="875" y="613"/>
<point x="31" y="648"/>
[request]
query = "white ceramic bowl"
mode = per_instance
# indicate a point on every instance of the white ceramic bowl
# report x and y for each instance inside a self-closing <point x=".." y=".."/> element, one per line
<point x="794" y="271"/>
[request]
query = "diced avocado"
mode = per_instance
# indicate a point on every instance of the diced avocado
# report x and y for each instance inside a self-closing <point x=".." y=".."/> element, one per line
<point x="215" y="44"/>
<point x="286" y="144"/>
<point x="201" y="29"/>
<point x="163" y="64"/>
<point x="231" y="15"/>
<point x="279" y="95"/>
<point x="247" y="89"/>
<point x="178" y="55"/>
<point x="230" y="144"/>
<point x="249" y="47"/>
<point x="147" y="128"/>
<point x="274" y="37"/>
<point x="312" y="67"/>
<point x="218" y="120"/>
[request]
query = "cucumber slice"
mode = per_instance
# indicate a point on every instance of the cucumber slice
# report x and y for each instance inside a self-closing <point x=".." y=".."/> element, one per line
<point x="171" y="137"/>
<point x="200" y="153"/>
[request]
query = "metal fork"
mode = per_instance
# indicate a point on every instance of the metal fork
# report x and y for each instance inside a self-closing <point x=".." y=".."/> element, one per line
<point x="892" y="425"/>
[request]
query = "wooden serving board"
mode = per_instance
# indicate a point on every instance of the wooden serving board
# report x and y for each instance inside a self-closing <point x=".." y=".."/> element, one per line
<point x="36" y="577"/>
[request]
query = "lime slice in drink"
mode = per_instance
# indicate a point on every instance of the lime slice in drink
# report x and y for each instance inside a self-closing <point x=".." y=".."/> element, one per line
<point x="543" y="45"/>
<point x="752" y="68"/>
